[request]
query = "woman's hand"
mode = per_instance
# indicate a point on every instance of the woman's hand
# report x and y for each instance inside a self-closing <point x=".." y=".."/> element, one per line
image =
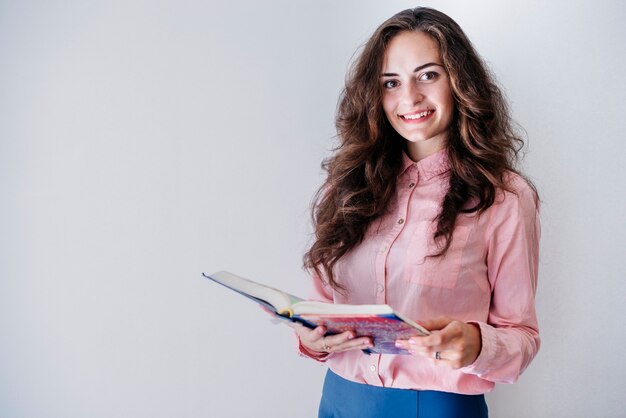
<point x="314" y="340"/>
<point x="451" y="343"/>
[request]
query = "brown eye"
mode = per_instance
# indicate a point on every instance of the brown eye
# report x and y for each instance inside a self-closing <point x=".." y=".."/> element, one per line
<point x="429" y="76"/>
<point x="389" y="84"/>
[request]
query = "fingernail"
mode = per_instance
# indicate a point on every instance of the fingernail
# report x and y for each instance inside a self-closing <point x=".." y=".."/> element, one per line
<point x="411" y="351"/>
<point x="398" y="344"/>
<point x="412" y="341"/>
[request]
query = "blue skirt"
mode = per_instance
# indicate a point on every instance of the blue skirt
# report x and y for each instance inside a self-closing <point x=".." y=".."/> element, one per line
<point x="343" y="398"/>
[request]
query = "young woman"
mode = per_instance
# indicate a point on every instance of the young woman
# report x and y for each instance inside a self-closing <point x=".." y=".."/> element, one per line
<point x="423" y="210"/>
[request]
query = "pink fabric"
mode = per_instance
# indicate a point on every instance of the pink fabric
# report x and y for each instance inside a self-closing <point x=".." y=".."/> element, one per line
<point x="487" y="277"/>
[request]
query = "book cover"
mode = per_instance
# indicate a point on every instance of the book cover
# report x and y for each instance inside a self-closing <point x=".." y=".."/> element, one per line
<point x="379" y="322"/>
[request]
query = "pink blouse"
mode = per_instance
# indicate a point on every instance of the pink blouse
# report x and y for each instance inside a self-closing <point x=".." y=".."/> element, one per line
<point x="487" y="277"/>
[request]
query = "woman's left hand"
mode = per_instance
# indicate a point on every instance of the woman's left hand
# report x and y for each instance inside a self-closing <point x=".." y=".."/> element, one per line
<point x="457" y="343"/>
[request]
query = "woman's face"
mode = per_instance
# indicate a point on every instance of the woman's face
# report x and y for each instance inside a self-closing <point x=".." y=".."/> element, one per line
<point x="417" y="99"/>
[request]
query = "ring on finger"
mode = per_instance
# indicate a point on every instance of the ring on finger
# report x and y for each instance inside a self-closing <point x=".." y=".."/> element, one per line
<point x="325" y="346"/>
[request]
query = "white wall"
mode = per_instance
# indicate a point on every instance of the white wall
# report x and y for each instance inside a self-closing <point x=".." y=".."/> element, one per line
<point x="142" y="142"/>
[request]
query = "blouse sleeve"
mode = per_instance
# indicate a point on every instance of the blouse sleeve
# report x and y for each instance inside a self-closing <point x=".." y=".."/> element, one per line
<point x="321" y="293"/>
<point x="510" y="337"/>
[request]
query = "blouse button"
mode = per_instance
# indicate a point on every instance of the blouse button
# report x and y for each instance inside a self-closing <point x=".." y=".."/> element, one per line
<point x="373" y="368"/>
<point x="411" y="185"/>
<point x="400" y="221"/>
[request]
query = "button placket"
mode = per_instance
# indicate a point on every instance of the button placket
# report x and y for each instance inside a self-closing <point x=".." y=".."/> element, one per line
<point x="380" y="288"/>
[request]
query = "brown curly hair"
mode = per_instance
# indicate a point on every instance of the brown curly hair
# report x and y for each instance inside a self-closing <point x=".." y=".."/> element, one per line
<point x="481" y="143"/>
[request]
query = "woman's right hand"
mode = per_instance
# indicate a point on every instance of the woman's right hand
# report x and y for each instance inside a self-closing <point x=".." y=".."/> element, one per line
<point x="314" y="340"/>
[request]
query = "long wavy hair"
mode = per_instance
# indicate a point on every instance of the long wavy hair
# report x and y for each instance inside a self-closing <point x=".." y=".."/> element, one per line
<point x="481" y="143"/>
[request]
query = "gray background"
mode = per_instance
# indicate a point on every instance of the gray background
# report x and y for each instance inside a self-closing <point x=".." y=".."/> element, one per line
<point x="143" y="142"/>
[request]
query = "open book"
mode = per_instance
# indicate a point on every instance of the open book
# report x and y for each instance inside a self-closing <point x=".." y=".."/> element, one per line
<point x="377" y="321"/>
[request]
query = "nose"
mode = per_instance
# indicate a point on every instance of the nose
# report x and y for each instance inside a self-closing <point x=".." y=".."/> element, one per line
<point x="412" y="94"/>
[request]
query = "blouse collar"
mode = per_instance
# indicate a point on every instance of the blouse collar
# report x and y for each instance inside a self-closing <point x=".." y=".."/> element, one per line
<point x="429" y="167"/>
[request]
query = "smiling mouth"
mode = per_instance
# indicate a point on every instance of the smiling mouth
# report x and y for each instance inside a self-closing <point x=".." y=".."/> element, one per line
<point x="416" y="116"/>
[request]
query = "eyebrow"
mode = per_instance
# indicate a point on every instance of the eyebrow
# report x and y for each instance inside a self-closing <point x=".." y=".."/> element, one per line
<point x="421" y="67"/>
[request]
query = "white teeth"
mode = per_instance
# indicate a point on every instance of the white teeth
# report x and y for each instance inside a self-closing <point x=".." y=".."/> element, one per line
<point x="418" y="115"/>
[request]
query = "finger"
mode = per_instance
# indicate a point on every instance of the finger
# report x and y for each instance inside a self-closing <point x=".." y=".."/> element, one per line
<point x="407" y="345"/>
<point x="337" y="339"/>
<point x="310" y="335"/>
<point x="403" y="344"/>
<point x="447" y="359"/>
<point x="354" y="344"/>
<point x="441" y="339"/>
<point x="435" y="341"/>
<point x="313" y="339"/>
<point x="414" y="343"/>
